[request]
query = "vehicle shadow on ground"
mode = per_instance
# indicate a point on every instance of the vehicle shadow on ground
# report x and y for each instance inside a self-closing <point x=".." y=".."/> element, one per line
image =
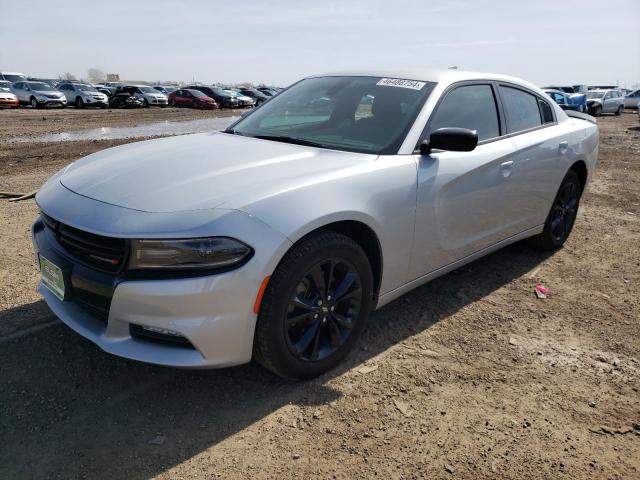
<point x="70" y="410"/>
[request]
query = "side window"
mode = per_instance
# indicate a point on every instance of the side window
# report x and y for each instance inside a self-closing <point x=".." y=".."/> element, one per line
<point x="608" y="95"/>
<point x="469" y="106"/>
<point x="546" y="111"/>
<point x="522" y="109"/>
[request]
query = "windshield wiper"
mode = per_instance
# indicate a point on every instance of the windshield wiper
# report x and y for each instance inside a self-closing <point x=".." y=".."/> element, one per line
<point x="285" y="139"/>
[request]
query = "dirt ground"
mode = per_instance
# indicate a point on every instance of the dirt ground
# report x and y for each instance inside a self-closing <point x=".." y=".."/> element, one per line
<point x="470" y="376"/>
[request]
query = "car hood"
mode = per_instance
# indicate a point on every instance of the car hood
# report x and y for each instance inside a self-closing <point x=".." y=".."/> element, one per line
<point x="7" y="95"/>
<point x="48" y="92"/>
<point x="202" y="171"/>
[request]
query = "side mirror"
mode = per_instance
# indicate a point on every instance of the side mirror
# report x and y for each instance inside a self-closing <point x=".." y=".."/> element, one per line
<point x="450" y="138"/>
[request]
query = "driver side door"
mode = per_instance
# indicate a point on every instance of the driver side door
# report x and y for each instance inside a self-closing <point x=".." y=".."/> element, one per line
<point x="465" y="199"/>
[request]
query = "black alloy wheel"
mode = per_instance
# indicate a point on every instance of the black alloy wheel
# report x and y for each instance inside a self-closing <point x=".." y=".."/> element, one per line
<point x="314" y="307"/>
<point x="323" y="309"/>
<point x="563" y="213"/>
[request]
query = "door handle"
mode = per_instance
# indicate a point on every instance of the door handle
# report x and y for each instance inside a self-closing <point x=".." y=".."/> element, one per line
<point x="563" y="147"/>
<point x="506" y="168"/>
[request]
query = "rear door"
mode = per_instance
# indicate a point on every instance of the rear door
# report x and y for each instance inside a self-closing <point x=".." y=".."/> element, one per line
<point x="464" y="198"/>
<point x="541" y="147"/>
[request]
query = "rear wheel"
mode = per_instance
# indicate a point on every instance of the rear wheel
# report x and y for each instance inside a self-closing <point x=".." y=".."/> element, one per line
<point x="315" y="307"/>
<point x="563" y="214"/>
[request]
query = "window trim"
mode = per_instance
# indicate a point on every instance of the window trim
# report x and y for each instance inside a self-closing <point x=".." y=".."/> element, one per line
<point x="466" y="83"/>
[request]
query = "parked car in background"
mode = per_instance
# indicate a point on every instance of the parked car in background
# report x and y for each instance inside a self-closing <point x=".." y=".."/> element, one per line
<point x="108" y="91"/>
<point x="114" y="85"/>
<point x="222" y="97"/>
<point x="243" y="100"/>
<point x="12" y="76"/>
<point x="125" y="98"/>
<point x="83" y="95"/>
<point x="149" y="96"/>
<point x="258" y="97"/>
<point x="166" y="89"/>
<point x="565" y="89"/>
<point x="8" y="100"/>
<point x="52" y="82"/>
<point x="184" y="97"/>
<point x="38" y="94"/>
<point x="605" y="101"/>
<point x="5" y="86"/>
<point x="569" y="101"/>
<point x="270" y="92"/>
<point x="277" y="238"/>
<point x="631" y="99"/>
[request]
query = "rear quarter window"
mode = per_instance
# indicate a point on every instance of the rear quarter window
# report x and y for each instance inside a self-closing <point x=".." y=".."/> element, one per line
<point x="522" y="110"/>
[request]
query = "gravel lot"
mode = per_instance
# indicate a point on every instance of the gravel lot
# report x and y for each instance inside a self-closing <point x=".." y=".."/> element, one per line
<point x="470" y="376"/>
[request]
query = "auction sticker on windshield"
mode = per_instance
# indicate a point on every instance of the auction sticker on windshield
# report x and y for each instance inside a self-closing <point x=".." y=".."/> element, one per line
<point x="399" y="82"/>
<point x="52" y="277"/>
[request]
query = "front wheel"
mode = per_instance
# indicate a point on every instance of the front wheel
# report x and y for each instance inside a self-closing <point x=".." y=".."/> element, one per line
<point x="79" y="103"/>
<point x="562" y="216"/>
<point x="619" y="111"/>
<point x="315" y="307"/>
<point x="597" y="111"/>
<point x="34" y="103"/>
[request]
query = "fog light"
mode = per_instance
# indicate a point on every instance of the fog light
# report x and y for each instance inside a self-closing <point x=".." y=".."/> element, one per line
<point x="163" y="331"/>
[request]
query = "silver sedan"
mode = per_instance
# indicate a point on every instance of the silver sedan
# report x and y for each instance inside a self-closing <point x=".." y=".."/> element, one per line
<point x="276" y="238"/>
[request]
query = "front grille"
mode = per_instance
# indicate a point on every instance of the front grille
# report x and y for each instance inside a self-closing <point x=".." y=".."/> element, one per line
<point x="102" y="253"/>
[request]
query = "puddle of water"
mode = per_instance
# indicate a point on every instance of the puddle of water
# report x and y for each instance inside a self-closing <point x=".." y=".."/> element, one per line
<point x="165" y="128"/>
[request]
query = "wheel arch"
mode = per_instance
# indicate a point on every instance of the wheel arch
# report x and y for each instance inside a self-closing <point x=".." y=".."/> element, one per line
<point x="361" y="233"/>
<point x="580" y="167"/>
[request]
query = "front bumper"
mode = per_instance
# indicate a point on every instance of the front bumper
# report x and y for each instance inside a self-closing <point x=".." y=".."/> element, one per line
<point x="213" y="312"/>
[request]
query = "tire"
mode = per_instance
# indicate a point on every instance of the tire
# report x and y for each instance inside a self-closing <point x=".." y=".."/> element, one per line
<point x="146" y="103"/>
<point x="597" y="111"/>
<point x="172" y="103"/>
<point x="301" y="332"/>
<point x="562" y="215"/>
<point x="34" y="103"/>
<point x="79" y="103"/>
<point x="619" y="111"/>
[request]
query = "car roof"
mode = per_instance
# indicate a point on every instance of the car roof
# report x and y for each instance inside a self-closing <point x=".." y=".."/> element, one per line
<point x="447" y="76"/>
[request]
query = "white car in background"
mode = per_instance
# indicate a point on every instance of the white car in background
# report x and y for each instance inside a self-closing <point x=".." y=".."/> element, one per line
<point x="277" y="238"/>
<point x="38" y="94"/>
<point x="243" y="100"/>
<point x="83" y="95"/>
<point x="12" y="76"/>
<point x="5" y="86"/>
<point x="150" y="96"/>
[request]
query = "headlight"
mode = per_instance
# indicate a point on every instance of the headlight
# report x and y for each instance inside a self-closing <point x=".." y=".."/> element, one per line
<point x="188" y="254"/>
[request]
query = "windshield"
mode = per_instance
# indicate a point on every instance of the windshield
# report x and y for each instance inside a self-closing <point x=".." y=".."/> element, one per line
<point x="356" y="114"/>
<point x="147" y="90"/>
<point x="5" y="84"/>
<point x="197" y="93"/>
<point x="41" y="87"/>
<point x="86" y="88"/>
<point x="593" y="94"/>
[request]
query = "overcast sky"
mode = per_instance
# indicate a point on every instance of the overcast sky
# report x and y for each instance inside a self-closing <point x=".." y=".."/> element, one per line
<point x="278" y="42"/>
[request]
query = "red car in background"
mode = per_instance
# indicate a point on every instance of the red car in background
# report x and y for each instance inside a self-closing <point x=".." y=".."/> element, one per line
<point x="186" y="97"/>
